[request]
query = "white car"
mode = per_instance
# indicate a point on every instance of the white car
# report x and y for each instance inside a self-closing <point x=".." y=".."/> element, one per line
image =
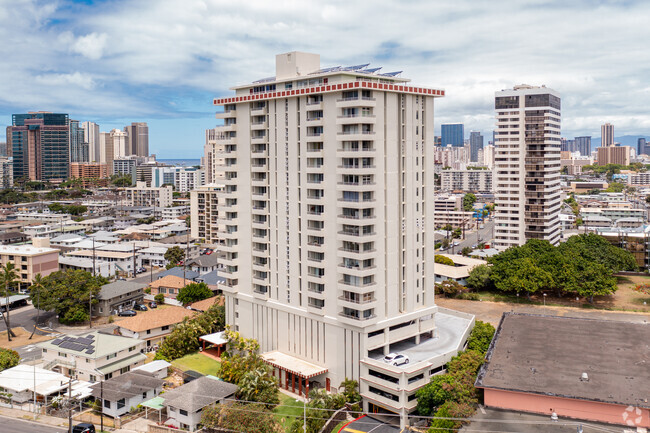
<point x="396" y="359"/>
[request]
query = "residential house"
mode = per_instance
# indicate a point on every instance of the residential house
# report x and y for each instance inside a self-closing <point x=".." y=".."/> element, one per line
<point x="118" y="296"/>
<point x="459" y="272"/>
<point x="127" y="390"/>
<point x="8" y="238"/>
<point x="205" y="304"/>
<point x="178" y="271"/>
<point x="153" y="325"/>
<point x="98" y="267"/>
<point x="213" y="280"/>
<point x="185" y="403"/>
<point x="158" y="368"/>
<point x="21" y="381"/>
<point x="169" y="286"/>
<point x="92" y="356"/>
<point x="204" y="263"/>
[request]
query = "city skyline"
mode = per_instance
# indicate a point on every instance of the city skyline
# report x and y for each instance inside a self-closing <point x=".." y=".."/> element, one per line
<point x="92" y="61"/>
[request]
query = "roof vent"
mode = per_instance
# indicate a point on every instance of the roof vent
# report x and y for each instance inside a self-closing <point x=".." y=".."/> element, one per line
<point x="584" y="377"/>
<point x="554" y="416"/>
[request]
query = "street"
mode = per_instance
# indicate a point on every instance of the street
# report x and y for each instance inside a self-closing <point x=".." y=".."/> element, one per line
<point x="12" y="425"/>
<point x="25" y="317"/>
<point x="484" y="234"/>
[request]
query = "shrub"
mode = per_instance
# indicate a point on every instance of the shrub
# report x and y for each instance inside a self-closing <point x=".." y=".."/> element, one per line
<point x="148" y="290"/>
<point x="469" y="296"/>
<point x="159" y="298"/>
<point x="443" y="260"/>
<point x="8" y="358"/>
<point x="111" y="319"/>
<point x="481" y="337"/>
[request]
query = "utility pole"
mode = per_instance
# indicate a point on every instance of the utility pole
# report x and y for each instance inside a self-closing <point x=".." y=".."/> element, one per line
<point x="34" y="392"/>
<point x="101" y="397"/>
<point x="94" y="256"/>
<point x="134" y="274"/>
<point x="70" y="404"/>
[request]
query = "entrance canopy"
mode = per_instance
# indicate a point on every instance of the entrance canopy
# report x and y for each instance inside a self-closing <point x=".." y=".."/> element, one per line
<point x="293" y="365"/>
<point x="217" y="338"/>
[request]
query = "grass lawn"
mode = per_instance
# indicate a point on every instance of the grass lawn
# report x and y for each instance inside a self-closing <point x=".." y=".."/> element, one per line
<point x="198" y="362"/>
<point x="287" y="411"/>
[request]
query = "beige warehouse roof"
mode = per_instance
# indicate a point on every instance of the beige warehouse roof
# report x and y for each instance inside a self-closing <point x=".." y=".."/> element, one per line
<point x="292" y="364"/>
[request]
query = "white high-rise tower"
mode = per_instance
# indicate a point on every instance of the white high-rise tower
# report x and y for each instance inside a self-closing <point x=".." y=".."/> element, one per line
<point x="527" y="165"/>
<point x="326" y="223"/>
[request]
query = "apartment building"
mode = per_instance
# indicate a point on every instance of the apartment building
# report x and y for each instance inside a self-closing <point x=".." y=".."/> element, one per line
<point x="328" y="238"/>
<point x="6" y="172"/>
<point x="90" y="173"/>
<point x="204" y="213"/>
<point x="639" y="179"/>
<point x="143" y="195"/>
<point x="92" y="357"/>
<point x="29" y="261"/>
<point x="614" y="155"/>
<point x="527" y="186"/>
<point x="467" y="181"/>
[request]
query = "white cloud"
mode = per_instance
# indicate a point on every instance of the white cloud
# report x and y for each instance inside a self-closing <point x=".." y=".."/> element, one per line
<point x="131" y="57"/>
<point x="91" y="45"/>
<point x="84" y="81"/>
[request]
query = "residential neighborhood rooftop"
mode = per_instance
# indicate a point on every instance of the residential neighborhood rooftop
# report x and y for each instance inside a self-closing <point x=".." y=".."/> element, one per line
<point x="118" y="288"/>
<point x="126" y="385"/>
<point x="198" y="394"/>
<point x="93" y="345"/>
<point x="548" y="355"/>
<point x="157" y="318"/>
<point x="171" y="281"/>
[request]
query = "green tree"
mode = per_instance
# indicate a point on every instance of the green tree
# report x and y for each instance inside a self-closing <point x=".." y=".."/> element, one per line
<point x="456" y="233"/>
<point x="521" y="275"/>
<point x="468" y="202"/>
<point x="479" y="278"/>
<point x="350" y="390"/>
<point x="597" y="249"/>
<point x="439" y="424"/>
<point x="184" y="339"/>
<point x="445" y="244"/>
<point x="594" y="279"/>
<point x="174" y="255"/>
<point x="55" y="207"/>
<point x="68" y="293"/>
<point x="240" y="417"/>
<point x="240" y="357"/>
<point x="194" y="292"/>
<point x="260" y="386"/>
<point x="434" y="394"/>
<point x="8" y="358"/>
<point x="480" y="337"/>
<point x="8" y="278"/>
<point x="121" y="181"/>
<point x="466" y="251"/>
<point x="159" y="298"/>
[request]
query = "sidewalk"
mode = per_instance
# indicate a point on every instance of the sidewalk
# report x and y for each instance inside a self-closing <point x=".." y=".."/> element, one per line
<point x="29" y="416"/>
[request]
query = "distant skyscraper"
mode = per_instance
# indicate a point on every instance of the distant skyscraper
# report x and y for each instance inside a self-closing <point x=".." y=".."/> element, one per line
<point x="571" y="145"/>
<point x="583" y="145"/>
<point x="564" y="145"/>
<point x="3" y="149"/>
<point x="138" y="139"/>
<point x="40" y="145"/>
<point x="78" y="144"/>
<point x="91" y="136"/>
<point x="607" y="135"/>
<point x="527" y="168"/>
<point x="475" y="144"/>
<point x="120" y="144"/>
<point x="453" y="133"/>
<point x="641" y="146"/>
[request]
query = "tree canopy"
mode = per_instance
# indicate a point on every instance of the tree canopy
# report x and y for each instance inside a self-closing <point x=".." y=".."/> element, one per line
<point x="468" y="202"/>
<point x="68" y="293"/>
<point x="443" y="260"/>
<point x="240" y="417"/>
<point x="184" y="339"/>
<point x="8" y="358"/>
<point x="194" y="292"/>
<point x="174" y="255"/>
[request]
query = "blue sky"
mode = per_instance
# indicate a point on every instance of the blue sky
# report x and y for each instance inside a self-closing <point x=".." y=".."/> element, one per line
<point x="162" y="61"/>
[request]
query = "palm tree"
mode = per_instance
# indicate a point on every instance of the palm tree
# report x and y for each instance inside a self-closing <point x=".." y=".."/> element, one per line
<point x="37" y="285"/>
<point x="7" y="278"/>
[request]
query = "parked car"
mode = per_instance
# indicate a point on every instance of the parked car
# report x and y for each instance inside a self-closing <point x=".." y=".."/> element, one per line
<point x="396" y="359"/>
<point x="83" y="427"/>
<point x="208" y="253"/>
<point x="140" y="307"/>
<point x="153" y="305"/>
<point x="127" y="313"/>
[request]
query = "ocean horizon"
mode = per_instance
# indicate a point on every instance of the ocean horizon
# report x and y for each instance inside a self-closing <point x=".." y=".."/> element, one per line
<point x="187" y="162"/>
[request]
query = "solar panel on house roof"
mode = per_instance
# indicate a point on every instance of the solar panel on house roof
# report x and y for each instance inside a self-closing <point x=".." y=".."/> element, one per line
<point x="90" y="351"/>
<point x="57" y="342"/>
<point x="370" y="71"/>
<point x="355" y="68"/>
<point x="391" y="74"/>
<point x="91" y="337"/>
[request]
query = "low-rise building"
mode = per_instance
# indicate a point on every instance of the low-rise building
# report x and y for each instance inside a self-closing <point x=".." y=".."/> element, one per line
<point x="204" y="263"/>
<point x="158" y="368"/>
<point x="169" y="286"/>
<point x="118" y="296"/>
<point x="91" y="174"/>
<point x="586" y="369"/>
<point x="119" y="394"/>
<point x="583" y="186"/>
<point x="29" y="261"/>
<point x="123" y="261"/>
<point x="143" y="195"/>
<point x="154" y="325"/>
<point x="92" y="357"/>
<point x="459" y="272"/>
<point x="98" y="267"/>
<point x="19" y="383"/>
<point x="185" y="403"/>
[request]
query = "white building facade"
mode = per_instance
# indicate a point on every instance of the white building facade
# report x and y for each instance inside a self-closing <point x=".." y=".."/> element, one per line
<point x="527" y="165"/>
<point x="327" y="238"/>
